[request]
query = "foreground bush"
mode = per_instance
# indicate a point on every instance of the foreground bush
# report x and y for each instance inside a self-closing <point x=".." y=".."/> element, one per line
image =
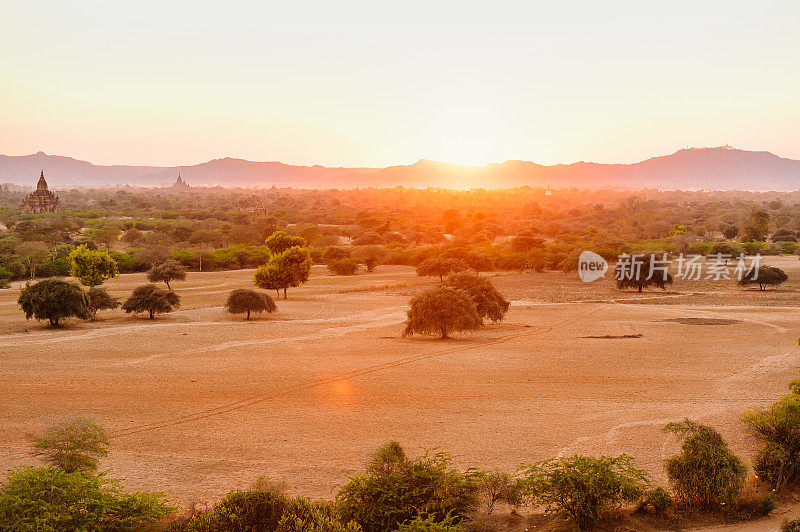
<point x="791" y="526"/>
<point x="442" y="310"/>
<point x="778" y="460"/>
<point x="705" y="473"/>
<point x="51" y="499"/>
<point x="245" y="301"/>
<point x="54" y="300"/>
<point x="582" y="488"/>
<point x="496" y="486"/>
<point x="396" y="490"/>
<point x="267" y="510"/>
<point x="73" y="444"/>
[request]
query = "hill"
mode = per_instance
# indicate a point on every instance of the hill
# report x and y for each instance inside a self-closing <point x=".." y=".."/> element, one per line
<point x="721" y="168"/>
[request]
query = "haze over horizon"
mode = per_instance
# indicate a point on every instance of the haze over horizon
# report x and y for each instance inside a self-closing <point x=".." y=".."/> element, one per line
<point x="362" y="84"/>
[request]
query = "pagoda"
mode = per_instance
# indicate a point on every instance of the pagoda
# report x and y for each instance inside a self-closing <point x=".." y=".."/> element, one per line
<point x="41" y="200"/>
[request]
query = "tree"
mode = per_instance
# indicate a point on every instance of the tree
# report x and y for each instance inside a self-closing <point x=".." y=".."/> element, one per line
<point x="488" y="301"/>
<point x="53" y="499"/>
<point x="169" y="270"/>
<point x="385" y="497"/>
<point x="347" y="266"/>
<point x="288" y="269"/>
<point x="756" y="228"/>
<point x="764" y="276"/>
<point x="73" y="444"/>
<point x="778" y="429"/>
<point x="442" y="310"/>
<point x="92" y="268"/>
<point x="106" y="235"/>
<point x="441" y="267"/>
<point x="99" y="299"/>
<point x="54" y="300"/>
<point x="5" y="277"/>
<point x="244" y="300"/>
<point x="641" y="271"/>
<point x="583" y="487"/>
<point x="131" y="236"/>
<point x="371" y="256"/>
<point x="332" y="253"/>
<point x="705" y="473"/>
<point x="730" y="232"/>
<point x="151" y="299"/>
<point x="34" y="254"/>
<point x="725" y="250"/>
<point x="280" y="241"/>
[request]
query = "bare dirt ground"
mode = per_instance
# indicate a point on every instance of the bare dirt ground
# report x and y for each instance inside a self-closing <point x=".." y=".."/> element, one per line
<point x="201" y="402"/>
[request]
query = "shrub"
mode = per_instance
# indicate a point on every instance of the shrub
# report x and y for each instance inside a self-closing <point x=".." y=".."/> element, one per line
<point x="54" y="300"/>
<point x="371" y="256"/>
<point x="386" y="497"/>
<point x="151" y="299"/>
<point x="764" y="276"/>
<point x="442" y="310"/>
<point x="583" y="488"/>
<point x="73" y="444"/>
<point x="488" y="301"/>
<point x="99" y="299"/>
<point x="429" y="524"/>
<point x="244" y="300"/>
<point x="5" y="277"/>
<point x="334" y="253"/>
<point x="303" y="516"/>
<point x="706" y="473"/>
<point x="169" y="270"/>
<point x="641" y="271"/>
<point x="726" y="249"/>
<point x="240" y="511"/>
<point x="347" y="266"/>
<point x="51" y="499"/>
<point x="496" y="486"/>
<point x="657" y="499"/>
<point x="778" y="429"/>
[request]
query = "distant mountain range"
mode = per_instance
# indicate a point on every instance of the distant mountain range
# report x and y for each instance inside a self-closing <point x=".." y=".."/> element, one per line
<point x="721" y="168"/>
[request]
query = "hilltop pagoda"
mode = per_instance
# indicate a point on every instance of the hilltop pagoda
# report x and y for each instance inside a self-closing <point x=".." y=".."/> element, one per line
<point x="41" y="200"/>
<point x="180" y="183"/>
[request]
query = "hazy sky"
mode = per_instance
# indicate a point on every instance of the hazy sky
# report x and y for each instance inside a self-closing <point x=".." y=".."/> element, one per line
<point x="378" y="83"/>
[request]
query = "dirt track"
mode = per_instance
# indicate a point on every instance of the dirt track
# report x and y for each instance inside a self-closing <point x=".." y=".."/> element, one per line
<point x="201" y="402"/>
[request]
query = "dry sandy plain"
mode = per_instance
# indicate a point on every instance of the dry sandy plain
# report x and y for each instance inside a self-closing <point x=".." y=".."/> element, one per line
<point x="200" y="402"/>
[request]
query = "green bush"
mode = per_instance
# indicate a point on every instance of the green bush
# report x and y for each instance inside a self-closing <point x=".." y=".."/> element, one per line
<point x="706" y="473"/>
<point x="583" y="488"/>
<point x="429" y="524"/>
<point x="304" y="516"/>
<point x="396" y="490"/>
<point x="348" y="266"/>
<point x="73" y="444"/>
<point x="657" y="499"/>
<point x="51" y="499"/>
<point x="240" y="511"/>
<point x="778" y="429"/>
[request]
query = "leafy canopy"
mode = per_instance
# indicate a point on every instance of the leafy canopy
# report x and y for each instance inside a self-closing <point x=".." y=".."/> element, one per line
<point x="54" y="300"/>
<point x="245" y="301"/>
<point x="151" y="299"/>
<point x="73" y="444"/>
<point x="91" y="267"/>
<point x="280" y="241"/>
<point x="169" y="270"/>
<point x="442" y="310"/>
<point x="488" y="301"/>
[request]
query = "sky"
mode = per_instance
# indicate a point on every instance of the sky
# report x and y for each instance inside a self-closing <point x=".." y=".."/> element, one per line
<point x="371" y="83"/>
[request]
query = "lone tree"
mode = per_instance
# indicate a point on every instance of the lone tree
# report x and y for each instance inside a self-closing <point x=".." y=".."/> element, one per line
<point x="280" y="241"/>
<point x="54" y="300"/>
<point x="705" y="473"/>
<point x="641" y="271"/>
<point x="764" y="276"/>
<point x="169" y="270"/>
<point x="151" y="299"/>
<point x="245" y="300"/>
<point x="92" y="268"/>
<point x="371" y="256"/>
<point x="488" y="301"/>
<point x="288" y="269"/>
<point x="99" y="299"/>
<point x="441" y="267"/>
<point x="73" y="444"/>
<point x="442" y="310"/>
